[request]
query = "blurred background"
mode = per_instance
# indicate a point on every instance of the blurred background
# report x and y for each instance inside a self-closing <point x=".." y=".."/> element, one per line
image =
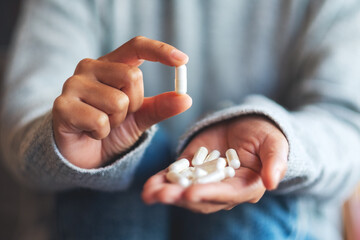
<point x="9" y="11"/>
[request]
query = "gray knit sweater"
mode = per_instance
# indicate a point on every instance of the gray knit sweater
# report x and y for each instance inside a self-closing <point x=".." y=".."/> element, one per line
<point x="292" y="61"/>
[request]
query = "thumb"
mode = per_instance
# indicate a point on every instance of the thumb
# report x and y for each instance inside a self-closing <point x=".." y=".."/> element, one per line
<point x="160" y="107"/>
<point x="273" y="155"/>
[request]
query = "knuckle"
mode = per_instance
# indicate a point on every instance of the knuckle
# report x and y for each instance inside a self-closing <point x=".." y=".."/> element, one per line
<point x="120" y="101"/>
<point x="102" y="126"/>
<point x="163" y="46"/>
<point x="59" y="101"/>
<point x="84" y="65"/>
<point x="59" y="104"/>
<point x="67" y="85"/>
<point x="136" y="40"/>
<point x="133" y="74"/>
<point x="70" y="83"/>
<point x="101" y="122"/>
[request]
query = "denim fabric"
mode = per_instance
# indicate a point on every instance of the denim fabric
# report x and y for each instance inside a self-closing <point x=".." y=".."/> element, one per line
<point x="91" y="215"/>
<point x="87" y="214"/>
<point x="273" y="217"/>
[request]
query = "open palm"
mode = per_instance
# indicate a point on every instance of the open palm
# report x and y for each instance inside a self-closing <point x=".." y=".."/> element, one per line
<point x="262" y="149"/>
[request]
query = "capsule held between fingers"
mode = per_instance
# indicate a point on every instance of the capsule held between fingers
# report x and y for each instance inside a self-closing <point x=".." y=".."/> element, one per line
<point x="181" y="79"/>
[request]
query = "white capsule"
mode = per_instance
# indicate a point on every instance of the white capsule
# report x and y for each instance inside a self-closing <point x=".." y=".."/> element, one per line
<point x="199" y="156"/>
<point x="188" y="173"/>
<point x="213" y="165"/>
<point x="175" y="177"/>
<point x="221" y="163"/>
<point x="199" y="172"/>
<point x="212" y="156"/>
<point x="216" y="176"/>
<point x="229" y="172"/>
<point x="179" y="165"/>
<point x="181" y="79"/>
<point x="232" y="158"/>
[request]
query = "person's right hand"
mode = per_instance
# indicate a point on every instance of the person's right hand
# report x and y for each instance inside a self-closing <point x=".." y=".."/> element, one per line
<point x="102" y="111"/>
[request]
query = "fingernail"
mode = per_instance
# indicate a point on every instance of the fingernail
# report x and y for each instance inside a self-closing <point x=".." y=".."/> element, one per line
<point x="178" y="55"/>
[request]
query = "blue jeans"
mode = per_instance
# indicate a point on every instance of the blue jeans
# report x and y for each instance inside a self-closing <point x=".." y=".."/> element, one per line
<point x="87" y="214"/>
<point x="271" y="218"/>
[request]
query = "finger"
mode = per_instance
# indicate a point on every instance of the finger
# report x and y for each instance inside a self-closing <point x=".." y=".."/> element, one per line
<point x="157" y="189"/>
<point x="117" y="75"/>
<point x="160" y="107"/>
<point x="249" y="159"/>
<point x="152" y="186"/>
<point x="213" y="192"/>
<point x="170" y="193"/>
<point x="230" y="191"/>
<point x="76" y="116"/>
<point x="107" y="99"/>
<point x="142" y="48"/>
<point x="273" y="155"/>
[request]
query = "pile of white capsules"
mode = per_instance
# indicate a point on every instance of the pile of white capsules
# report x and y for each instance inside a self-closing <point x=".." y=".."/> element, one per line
<point x="205" y="168"/>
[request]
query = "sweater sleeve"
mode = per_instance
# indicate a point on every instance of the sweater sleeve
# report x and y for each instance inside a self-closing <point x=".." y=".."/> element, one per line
<point x="319" y="108"/>
<point x="51" y="38"/>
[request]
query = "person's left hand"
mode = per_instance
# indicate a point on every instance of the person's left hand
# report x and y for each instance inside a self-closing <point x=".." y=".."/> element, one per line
<point x="262" y="149"/>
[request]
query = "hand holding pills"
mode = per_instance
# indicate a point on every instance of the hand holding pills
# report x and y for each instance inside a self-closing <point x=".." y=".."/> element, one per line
<point x="102" y="111"/>
<point x="262" y="149"/>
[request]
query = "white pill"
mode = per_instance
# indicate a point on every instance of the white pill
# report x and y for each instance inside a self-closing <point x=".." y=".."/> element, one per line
<point x="181" y="79"/>
<point x="232" y="158"/>
<point x="229" y="172"/>
<point x="199" y="172"/>
<point x="216" y="176"/>
<point x="179" y="165"/>
<point x="221" y="163"/>
<point x="199" y="156"/>
<point x="188" y="173"/>
<point x="212" y="156"/>
<point x="213" y="165"/>
<point x="175" y="177"/>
